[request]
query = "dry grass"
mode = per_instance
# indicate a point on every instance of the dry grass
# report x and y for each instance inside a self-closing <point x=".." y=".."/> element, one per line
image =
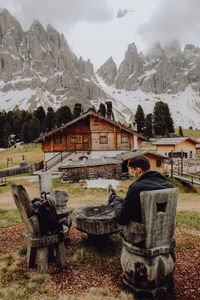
<point x="190" y="132"/>
<point x="32" y="154"/>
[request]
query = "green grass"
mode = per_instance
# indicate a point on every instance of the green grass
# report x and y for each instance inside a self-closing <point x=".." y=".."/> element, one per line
<point x="15" y="283"/>
<point x="32" y="155"/>
<point x="9" y="217"/>
<point x="189" y="132"/>
<point x="188" y="219"/>
<point x="183" y="186"/>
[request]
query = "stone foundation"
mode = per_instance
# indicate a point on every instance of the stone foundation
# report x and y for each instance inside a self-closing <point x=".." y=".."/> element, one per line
<point x="76" y="174"/>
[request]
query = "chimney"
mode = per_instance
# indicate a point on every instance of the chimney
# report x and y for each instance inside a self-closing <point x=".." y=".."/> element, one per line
<point x="109" y="110"/>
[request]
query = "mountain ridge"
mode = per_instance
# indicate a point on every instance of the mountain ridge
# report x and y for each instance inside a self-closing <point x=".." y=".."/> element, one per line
<point x="38" y="68"/>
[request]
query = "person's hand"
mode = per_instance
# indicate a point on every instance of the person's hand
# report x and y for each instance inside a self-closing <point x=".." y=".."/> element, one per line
<point x="111" y="194"/>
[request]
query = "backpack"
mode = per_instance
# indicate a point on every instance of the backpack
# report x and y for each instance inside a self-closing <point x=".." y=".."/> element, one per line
<point x="47" y="215"/>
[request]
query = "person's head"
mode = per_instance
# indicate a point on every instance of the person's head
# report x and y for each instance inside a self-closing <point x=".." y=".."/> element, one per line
<point x="139" y="165"/>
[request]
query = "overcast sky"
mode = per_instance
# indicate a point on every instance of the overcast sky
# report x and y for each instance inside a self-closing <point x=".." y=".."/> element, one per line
<point x="98" y="29"/>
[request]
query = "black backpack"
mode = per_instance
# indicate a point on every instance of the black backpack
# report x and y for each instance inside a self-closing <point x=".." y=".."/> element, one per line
<point x="47" y="215"/>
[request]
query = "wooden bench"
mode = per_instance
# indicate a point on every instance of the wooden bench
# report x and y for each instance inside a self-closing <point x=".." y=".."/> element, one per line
<point x="44" y="247"/>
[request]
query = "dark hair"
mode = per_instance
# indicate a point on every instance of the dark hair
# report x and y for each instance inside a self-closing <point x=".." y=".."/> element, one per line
<point x="140" y="161"/>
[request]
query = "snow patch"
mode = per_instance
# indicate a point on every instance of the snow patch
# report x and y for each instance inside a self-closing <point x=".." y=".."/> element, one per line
<point x="102" y="183"/>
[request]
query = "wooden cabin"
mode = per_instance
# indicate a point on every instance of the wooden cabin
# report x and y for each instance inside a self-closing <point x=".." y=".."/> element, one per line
<point x="87" y="134"/>
<point x="157" y="161"/>
<point x="198" y="148"/>
<point x="175" y="146"/>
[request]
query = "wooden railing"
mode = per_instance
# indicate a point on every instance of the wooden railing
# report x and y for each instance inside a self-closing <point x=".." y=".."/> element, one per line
<point x="187" y="177"/>
<point x="64" y="154"/>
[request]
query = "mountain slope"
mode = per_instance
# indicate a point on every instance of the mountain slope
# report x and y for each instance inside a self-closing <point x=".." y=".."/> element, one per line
<point x="169" y="75"/>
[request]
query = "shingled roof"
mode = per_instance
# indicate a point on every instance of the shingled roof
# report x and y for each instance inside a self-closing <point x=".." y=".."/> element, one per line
<point x="174" y="141"/>
<point x="85" y="115"/>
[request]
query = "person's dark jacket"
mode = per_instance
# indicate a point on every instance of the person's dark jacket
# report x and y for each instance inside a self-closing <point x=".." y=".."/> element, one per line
<point x="129" y="208"/>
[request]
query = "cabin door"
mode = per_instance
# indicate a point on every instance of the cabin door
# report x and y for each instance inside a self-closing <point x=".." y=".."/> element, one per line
<point x="85" y="142"/>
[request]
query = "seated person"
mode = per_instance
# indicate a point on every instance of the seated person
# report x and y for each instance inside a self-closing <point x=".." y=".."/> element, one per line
<point x="129" y="208"/>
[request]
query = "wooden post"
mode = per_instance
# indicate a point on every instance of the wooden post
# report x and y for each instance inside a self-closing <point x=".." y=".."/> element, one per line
<point x="172" y="163"/>
<point x="181" y="162"/>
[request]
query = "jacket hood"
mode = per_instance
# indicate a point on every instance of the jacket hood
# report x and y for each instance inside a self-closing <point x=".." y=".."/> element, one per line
<point x="150" y="174"/>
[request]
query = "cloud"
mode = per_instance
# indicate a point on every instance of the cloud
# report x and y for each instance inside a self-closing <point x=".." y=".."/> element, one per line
<point x="172" y="20"/>
<point x="63" y="14"/>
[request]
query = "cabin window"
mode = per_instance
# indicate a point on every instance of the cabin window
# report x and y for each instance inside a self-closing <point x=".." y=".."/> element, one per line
<point x="190" y="154"/>
<point x="73" y="139"/>
<point x="58" y="140"/>
<point x="95" y="123"/>
<point x="159" y="163"/>
<point x="103" y="139"/>
<point x="124" y="139"/>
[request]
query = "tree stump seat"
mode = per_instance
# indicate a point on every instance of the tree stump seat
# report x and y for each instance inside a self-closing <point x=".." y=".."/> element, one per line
<point x="96" y="219"/>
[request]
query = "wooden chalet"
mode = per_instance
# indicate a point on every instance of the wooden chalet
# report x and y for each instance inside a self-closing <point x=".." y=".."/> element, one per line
<point x="175" y="146"/>
<point x="89" y="133"/>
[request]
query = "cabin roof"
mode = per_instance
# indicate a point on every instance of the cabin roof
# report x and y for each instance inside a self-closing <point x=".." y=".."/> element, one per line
<point x="92" y="162"/>
<point x="174" y="141"/>
<point x="132" y="154"/>
<point x="85" y="115"/>
<point x="118" y="159"/>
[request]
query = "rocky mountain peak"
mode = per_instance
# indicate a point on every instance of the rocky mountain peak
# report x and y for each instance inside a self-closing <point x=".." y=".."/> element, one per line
<point x="8" y="24"/>
<point x="108" y="71"/>
<point x="39" y="68"/>
<point x="130" y="68"/>
<point x="173" y="50"/>
<point x="156" y="51"/>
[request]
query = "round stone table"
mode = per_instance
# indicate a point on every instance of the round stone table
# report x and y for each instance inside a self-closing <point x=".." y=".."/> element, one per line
<point x="96" y="219"/>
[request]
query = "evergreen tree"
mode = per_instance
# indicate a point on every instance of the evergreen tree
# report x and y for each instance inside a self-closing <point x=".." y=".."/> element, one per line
<point x="102" y="110"/>
<point x="167" y="134"/>
<point x="162" y="119"/>
<point x="180" y="131"/>
<point x="50" y="119"/>
<point x="10" y="120"/>
<point x="34" y="129"/>
<point x="6" y="133"/>
<point x="78" y="109"/>
<point x="63" y="115"/>
<point x="140" y="119"/>
<point x="39" y="113"/>
<point x="148" y="125"/>
<point x="25" y="132"/>
<point x="2" y="122"/>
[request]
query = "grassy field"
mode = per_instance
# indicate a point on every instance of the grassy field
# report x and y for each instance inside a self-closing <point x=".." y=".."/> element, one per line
<point x="18" y="283"/>
<point x="190" y="132"/>
<point x="32" y="155"/>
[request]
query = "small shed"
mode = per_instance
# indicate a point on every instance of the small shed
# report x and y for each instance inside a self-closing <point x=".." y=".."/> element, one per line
<point x="157" y="161"/>
<point x="175" y="146"/>
<point x="109" y="167"/>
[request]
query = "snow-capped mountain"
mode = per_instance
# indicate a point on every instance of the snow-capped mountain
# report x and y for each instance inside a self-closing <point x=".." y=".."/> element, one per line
<point x="38" y="68"/>
<point x="168" y="75"/>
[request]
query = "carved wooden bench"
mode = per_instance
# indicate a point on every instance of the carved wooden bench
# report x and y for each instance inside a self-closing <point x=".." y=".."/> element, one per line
<point x="41" y="246"/>
<point x="148" y="258"/>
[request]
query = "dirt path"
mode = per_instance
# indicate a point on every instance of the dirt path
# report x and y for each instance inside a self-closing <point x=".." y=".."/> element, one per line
<point x="186" y="201"/>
